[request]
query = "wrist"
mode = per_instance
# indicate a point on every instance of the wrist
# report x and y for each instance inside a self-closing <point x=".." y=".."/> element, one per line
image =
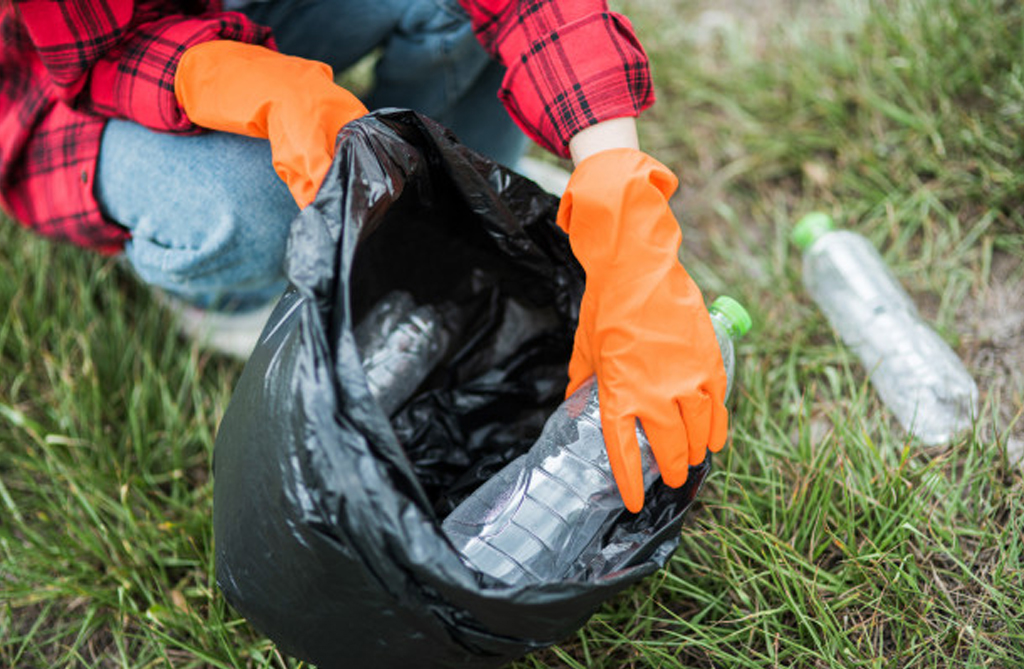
<point x="616" y="133"/>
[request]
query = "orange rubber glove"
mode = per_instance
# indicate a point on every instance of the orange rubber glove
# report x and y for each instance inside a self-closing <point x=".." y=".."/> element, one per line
<point x="643" y="328"/>
<point x="255" y="91"/>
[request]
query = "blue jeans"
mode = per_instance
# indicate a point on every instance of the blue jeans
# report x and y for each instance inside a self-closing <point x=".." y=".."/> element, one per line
<point x="209" y="217"/>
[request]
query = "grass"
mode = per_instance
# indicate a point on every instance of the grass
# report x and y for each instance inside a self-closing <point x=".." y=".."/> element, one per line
<point x="825" y="537"/>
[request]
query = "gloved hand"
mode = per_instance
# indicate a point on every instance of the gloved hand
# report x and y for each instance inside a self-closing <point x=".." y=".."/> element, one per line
<point x="255" y="91"/>
<point x="643" y="327"/>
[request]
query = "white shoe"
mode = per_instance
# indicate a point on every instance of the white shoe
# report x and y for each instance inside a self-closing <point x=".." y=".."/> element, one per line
<point x="551" y="178"/>
<point x="233" y="334"/>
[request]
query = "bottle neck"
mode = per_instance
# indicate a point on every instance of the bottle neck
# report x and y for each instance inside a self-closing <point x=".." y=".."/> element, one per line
<point x="725" y="324"/>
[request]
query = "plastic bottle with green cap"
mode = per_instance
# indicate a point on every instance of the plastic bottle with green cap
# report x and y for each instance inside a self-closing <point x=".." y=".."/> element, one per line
<point x="914" y="371"/>
<point x="537" y="519"/>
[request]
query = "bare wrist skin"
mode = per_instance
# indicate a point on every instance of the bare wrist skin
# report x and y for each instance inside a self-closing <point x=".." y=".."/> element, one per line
<point x="616" y="133"/>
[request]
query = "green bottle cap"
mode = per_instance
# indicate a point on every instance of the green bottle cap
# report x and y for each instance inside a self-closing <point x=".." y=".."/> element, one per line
<point x="810" y="228"/>
<point x="736" y="317"/>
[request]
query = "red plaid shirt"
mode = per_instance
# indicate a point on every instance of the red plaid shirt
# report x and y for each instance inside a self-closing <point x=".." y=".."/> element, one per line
<point x="68" y="65"/>
<point x="571" y="64"/>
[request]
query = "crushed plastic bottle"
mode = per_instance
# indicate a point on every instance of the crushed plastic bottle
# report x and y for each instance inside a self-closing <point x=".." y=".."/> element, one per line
<point x="542" y="516"/>
<point x="914" y="372"/>
<point x="400" y="344"/>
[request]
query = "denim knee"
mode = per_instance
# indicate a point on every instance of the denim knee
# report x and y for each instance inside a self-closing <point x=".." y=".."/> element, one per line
<point x="209" y="217"/>
<point x="237" y="264"/>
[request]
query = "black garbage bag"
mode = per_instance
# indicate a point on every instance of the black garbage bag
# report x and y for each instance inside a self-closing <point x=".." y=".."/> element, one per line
<point x="327" y="512"/>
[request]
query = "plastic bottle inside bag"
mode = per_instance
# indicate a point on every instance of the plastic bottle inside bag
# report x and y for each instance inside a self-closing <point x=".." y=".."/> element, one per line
<point x="400" y="344"/>
<point x="915" y="373"/>
<point x="540" y="516"/>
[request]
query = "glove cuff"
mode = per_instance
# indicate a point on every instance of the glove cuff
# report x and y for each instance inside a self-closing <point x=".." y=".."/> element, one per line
<point x="232" y="86"/>
<point x="615" y="210"/>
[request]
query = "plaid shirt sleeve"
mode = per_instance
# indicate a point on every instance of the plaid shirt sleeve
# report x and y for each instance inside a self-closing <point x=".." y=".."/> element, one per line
<point x="571" y="64"/>
<point x="117" y="58"/>
<point x="68" y="65"/>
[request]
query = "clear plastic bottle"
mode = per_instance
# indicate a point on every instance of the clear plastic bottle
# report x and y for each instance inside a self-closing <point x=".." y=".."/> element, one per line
<point x="400" y="344"/>
<point x="539" y="517"/>
<point x="915" y="373"/>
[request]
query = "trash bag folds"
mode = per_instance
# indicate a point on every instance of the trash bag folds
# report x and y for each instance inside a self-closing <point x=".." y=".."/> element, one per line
<point x="342" y="450"/>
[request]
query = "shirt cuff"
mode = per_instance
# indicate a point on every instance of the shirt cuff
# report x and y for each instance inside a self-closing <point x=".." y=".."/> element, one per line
<point x="137" y="81"/>
<point x="589" y="70"/>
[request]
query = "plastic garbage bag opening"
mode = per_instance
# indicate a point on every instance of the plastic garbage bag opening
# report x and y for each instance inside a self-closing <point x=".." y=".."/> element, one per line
<point x="501" y="304"/>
